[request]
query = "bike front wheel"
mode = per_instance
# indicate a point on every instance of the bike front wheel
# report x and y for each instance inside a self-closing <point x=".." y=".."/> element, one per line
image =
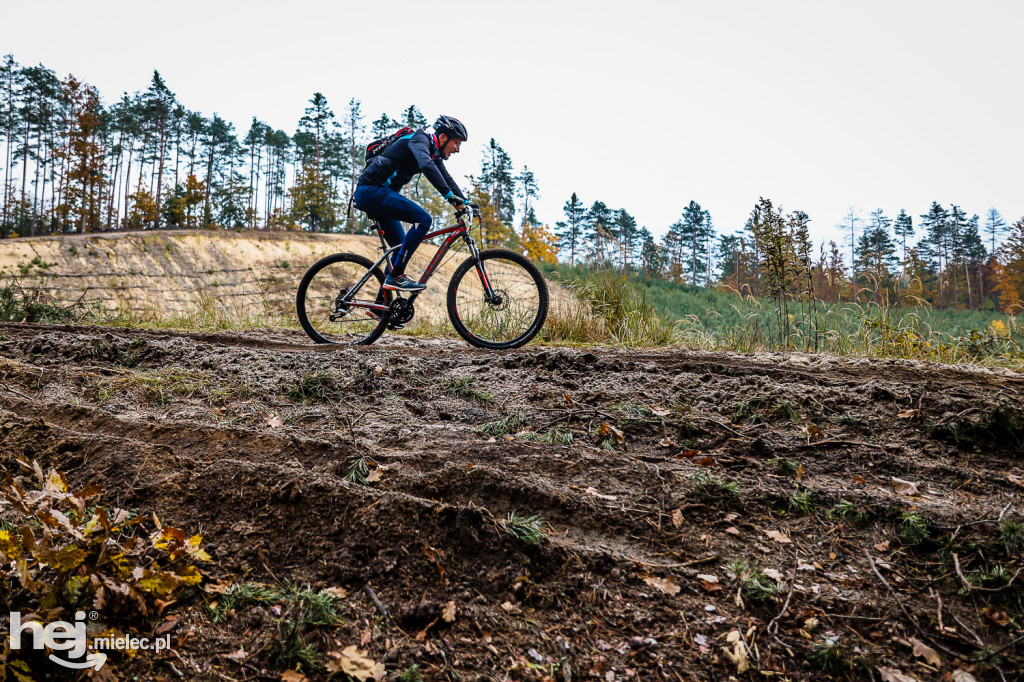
<point x="513" y="315"/>
<point x="330" y="297"/>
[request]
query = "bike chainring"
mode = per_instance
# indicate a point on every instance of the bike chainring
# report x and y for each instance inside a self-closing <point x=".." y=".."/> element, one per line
<point x="402" y="312"/>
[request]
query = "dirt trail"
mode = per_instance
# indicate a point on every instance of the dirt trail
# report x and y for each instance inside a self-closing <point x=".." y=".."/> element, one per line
<point x="697" y="519"/>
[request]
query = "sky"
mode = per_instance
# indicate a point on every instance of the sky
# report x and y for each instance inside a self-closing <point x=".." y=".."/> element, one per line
<point x="820" y="105"/>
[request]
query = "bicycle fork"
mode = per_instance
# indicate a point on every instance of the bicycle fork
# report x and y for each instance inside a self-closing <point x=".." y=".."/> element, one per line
<point x="481" y="270"/>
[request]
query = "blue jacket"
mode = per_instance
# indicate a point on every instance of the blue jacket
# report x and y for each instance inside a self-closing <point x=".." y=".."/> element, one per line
<point x="404" y="158"/>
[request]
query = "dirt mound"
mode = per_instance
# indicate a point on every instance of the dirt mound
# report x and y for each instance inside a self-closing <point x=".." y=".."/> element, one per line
<point x="240" y="274"/>
<point x="701" y="515"/>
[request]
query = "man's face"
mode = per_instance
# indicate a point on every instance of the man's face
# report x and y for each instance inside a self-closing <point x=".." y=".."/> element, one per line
<point x="448" y="146"/>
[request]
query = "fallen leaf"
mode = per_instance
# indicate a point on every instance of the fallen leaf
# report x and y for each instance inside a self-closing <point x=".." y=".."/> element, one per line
<point x="729" y="518"/>
<point x="707" y="577"/>
<point x="239" y="655"/>
<point x="568" y="399"/>
<point x="448" y="614"/>
<point x="930" y="655"/>
<point x="902" y="487"/>
<point x="732" y="530"/>
<point x="1016" y="480"/>
<point x="667" y="585"/>
<point x="336" y="592"/>
<point x="607" y="429"/>
<point x="893" y="675"/>
<point x="167" y="626"/>
<point x="779" y="537"/>
<point x="908" y="414"/>
<point x="690" y="454"/>
<point x="667" y="442"/>
<point x="378" y="371"/>
<point x="354" y="662"/>
<point x="773" y="574"/>
<point x="738" y="654"/>
<point x="293" y="676"/>
<point x="859" y="480"/>
<point x="812" y="432"/>
<point x="963" y="676"/>
<point x="677" y="518"/>
<point x="275" y="422"/>
<point x="882" y="546"/>
<point x="709" y="582"/>
<point x="801" y="473"/>
<point x="597" y="494"/>
<point x="219" y="587"/>
<point x="1000" y="618"/>
<point x="705" y="461"/>
<point x="365" y="638"/>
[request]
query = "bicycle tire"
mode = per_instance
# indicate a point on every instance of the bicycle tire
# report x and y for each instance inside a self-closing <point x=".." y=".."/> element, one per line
<point x="319" y="291"/>
<point x="521" y="313"/>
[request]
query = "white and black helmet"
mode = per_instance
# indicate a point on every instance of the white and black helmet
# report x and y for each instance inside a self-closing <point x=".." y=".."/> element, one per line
<point x="452" y="127"/>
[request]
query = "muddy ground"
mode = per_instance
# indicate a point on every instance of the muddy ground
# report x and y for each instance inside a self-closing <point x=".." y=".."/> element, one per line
<point x="715" y="516"/>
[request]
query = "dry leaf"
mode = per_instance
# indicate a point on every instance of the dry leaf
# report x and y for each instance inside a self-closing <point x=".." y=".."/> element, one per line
<point x="568" y="399"/>
<point x="779" y="537"/>
<point x="375" y="473"/>
<point x="998" y="617"/>
<point x="738" y="654"/>
<point x="607" y="429"/>
<point x="709" y="582"/>
<point x="378" y="371"/>
<point x="354" y="662"/>
<point x="667" y="442"/>
<point x="732" y="530"/>
<point x="448" y="614"/>
<point x="813" y="432"/>
<point x="239" y="655"/>
<point x="930" y="655"/>
<point x="219" y="587"/>
<point x="705" y="461"/>
<point x="963" y="676"/>
<point x="773" y="574"/>
<point x="882" y="546"/>
<point x="859" y="480"/>
<point x="274" y="421"/>
<point x="336" y="592"/>
<point x="909" y="414"/>
<point x="667" y="585"/>
<point x="293" y="676"/>
<point x="902" y="487"/>
<point x="1016" y="480"/>
<point x="677" y="518"/>
<point x="729" y="518"/>
<point x="659" y="411"/>
<point x="365" y="638"/>
<point x="801" y="473"/>
<point x="597" y="494"/>
<point x="893" y="675"/>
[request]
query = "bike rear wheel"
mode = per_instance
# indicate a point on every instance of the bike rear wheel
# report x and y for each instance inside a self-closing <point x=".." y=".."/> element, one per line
<point x="514" y="317"/>
<point x="326" y="295"/>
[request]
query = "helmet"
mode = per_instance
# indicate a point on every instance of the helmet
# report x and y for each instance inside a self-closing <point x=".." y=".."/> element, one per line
<point x="452" y="127"/>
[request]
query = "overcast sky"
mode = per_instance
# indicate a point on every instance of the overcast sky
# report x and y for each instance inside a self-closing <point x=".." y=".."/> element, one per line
<point x="819" y="105"/>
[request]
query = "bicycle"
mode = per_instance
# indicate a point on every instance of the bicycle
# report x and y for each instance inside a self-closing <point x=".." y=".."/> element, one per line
<point x="502" y="307"/>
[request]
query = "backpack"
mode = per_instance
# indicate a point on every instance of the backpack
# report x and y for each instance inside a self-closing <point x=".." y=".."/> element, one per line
<point x="377" y="147"/>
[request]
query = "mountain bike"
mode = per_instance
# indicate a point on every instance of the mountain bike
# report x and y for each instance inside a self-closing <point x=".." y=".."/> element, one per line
<point x="497" y="298"/>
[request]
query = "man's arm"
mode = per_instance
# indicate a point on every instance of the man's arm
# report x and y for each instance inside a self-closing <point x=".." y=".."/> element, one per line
<point x="448" y="179"/>
<point x="419" y="145"/>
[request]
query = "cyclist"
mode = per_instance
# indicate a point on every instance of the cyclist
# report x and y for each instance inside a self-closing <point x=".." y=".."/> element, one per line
<point x="377" y="192"/>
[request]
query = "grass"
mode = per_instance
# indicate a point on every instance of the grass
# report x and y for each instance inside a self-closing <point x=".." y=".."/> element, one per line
<point x="844" y="510"/>
<point x="1012" y="536"/>
<point x="314" y="387"/>
<point x="756" y="586"/>
<point x="829" y="656"/>
<point x="529" y="529"/>
<point x="913" y="529"/>
<point x="462" y="387"/>
<point x="503" y="426"/>
<point x="802" y="501"/>
<point x="303" y="610"/>
<point x="705" y="484"/>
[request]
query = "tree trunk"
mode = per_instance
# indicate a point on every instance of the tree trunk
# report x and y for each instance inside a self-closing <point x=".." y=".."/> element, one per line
<point x="160" y="170"/>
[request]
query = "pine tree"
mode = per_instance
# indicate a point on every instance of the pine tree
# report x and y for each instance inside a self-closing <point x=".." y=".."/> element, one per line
<point x="528" y="193"/>
<point x="995" y="227"/>
<point x="357" y="151"/>
<point x="652" y="258"/>
<point x="876" y="254"/>
<point x="159" y="107"/>
<point x="598" y="236"/>
<point x="693" y="238"/>
<point x="415" y="118"/>
<point x="496" y="177"/>
<point x="904" y="230"/>
<point x="851" y="225"/>
<point x="570" y="231"/>
<point x="383" y="126"/>
<point x="935" y="245"/>
<point x="627" y="234"/>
